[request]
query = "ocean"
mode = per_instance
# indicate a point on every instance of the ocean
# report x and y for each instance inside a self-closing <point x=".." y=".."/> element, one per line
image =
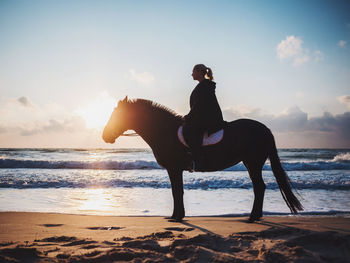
<point x="129" y="182"/>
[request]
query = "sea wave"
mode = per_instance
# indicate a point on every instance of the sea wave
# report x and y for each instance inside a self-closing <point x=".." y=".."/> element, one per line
<point x="95" y="165"/>
<point x="202" y="183"/>
<point x="339" y="163"/>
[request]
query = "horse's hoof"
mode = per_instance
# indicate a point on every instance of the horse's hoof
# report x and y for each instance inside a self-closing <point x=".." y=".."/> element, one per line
<point x="174" y="220"/>
<point x="169" y="217"/>
<point x="253" y="219"/>
<point x="250" y="220"/>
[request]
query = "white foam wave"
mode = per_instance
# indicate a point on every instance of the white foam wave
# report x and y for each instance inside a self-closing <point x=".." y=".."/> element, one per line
<point x="343" y="157"/>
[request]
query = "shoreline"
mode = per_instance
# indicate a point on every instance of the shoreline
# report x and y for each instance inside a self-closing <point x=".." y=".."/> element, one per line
<point x="335" y="213"/>
<point x="70" y="237"/>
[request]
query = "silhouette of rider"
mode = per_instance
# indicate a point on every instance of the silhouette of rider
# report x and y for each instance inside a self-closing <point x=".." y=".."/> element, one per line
<point x="205" y="113"/>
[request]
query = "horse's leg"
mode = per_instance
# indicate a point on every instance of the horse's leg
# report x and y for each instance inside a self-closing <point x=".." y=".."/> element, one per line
<point x="177" y="191"/>
<point x="255" y="173"/>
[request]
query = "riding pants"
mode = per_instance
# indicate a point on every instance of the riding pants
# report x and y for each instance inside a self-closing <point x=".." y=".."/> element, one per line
<point x="193" y="135"/>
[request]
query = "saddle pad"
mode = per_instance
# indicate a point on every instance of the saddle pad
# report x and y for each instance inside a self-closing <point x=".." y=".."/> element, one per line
<point x="212" y="139"/>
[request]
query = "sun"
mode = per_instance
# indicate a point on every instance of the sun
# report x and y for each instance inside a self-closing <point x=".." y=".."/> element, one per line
<point x="97" y="112"/>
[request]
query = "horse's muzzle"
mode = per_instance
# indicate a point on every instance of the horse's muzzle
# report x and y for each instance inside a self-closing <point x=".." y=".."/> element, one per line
<point x="108" y="136"/>
<point x="109" y="140"/>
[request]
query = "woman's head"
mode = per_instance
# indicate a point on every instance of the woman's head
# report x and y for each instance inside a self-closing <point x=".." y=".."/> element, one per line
<point x="200" y="71"/>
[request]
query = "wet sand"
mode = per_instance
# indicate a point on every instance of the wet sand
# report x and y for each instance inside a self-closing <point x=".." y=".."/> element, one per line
<point x="36" y="237"/>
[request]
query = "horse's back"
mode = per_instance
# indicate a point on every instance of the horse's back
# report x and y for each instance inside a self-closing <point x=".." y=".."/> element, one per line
<point x="244" y="139"/>
<point x="247" y="133"/>
<point x="248" y="125"/>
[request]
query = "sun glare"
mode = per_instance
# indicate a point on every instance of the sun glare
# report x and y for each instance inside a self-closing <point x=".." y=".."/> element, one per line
<point x="95" y="200"/>
<point x="97" y="112"/>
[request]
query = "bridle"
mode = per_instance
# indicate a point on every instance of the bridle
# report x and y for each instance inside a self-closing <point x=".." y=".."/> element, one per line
<point x="130" y="134"/>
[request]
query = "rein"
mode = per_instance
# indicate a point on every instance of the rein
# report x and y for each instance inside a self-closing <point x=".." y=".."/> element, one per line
<point x="130" y="134"/>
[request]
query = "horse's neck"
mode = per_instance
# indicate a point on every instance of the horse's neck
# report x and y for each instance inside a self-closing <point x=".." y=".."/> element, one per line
<point x="153" y="129"/>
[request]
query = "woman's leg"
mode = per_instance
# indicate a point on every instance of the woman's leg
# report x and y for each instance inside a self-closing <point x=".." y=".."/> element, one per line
<point x="194" y="137"/>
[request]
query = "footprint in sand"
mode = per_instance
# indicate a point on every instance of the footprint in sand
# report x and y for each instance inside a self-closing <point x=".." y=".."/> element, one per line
<point x="180" y="229"/>
<point x="51" y="225"/>
<point x="5" y="244"/>
<point x="105" y="228"/>
<point x="57" y="239"/>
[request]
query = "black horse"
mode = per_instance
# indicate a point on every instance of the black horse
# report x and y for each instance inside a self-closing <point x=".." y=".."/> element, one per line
<point x="244" y="140"/>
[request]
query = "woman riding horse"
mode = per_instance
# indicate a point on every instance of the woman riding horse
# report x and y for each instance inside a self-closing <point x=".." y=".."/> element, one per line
<point x="205" y="114"/>
<point x="247" y="141"/>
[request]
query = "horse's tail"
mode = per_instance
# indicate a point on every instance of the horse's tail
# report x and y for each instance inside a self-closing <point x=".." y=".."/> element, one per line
<point x="283" y="180"/>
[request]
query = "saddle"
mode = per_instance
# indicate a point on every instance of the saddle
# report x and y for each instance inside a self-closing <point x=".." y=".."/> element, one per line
<point x="207" y="140"/>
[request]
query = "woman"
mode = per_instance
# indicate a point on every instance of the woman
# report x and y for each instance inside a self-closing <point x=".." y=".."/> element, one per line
<point x="205" y="113"/>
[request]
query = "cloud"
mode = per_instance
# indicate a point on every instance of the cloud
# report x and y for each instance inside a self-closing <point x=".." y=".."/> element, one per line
<point x="336" y="124"/>
<point x="318" y="56"/>
<point x="48" y="125"/>
<point x="242" y="111"/>
<point x="292" y="119"/>
<point x="299" y="60"/>
<point x="24" y="101"/>
<point x="144" y="78"/>
<point x="291" y="48"/>
<point x="345" y="100"/>
<point x="342" y="43"/>
<point x="72" y="124"/>
<point x="295" y="121"/>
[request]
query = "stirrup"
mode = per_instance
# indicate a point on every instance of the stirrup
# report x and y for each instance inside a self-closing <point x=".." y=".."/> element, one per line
<point x="190" y="168"/>
<point x="193" y="168"/>
<point x="199" y="165"/>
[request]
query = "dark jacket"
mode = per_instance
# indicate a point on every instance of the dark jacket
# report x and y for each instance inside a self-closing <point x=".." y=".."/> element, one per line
<point x="205" y="111"/>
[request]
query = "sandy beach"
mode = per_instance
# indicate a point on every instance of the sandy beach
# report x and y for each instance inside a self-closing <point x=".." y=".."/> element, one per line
<point x="48" y="237"/>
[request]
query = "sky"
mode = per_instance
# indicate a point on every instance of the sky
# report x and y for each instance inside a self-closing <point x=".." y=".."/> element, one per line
<point x="65" y="64"/>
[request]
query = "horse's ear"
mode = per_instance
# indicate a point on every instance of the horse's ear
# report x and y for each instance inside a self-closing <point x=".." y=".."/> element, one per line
<point x="122" y="101"/>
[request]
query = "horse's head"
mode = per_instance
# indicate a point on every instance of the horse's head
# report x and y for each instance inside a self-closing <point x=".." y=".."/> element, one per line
<point x="118" y="122"/>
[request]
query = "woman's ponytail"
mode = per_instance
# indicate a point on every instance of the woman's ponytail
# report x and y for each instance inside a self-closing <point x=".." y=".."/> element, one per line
<point x="210" y="74"/>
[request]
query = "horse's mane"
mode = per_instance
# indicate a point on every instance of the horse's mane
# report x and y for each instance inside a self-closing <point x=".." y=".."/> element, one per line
<point x="160" y="111"/>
